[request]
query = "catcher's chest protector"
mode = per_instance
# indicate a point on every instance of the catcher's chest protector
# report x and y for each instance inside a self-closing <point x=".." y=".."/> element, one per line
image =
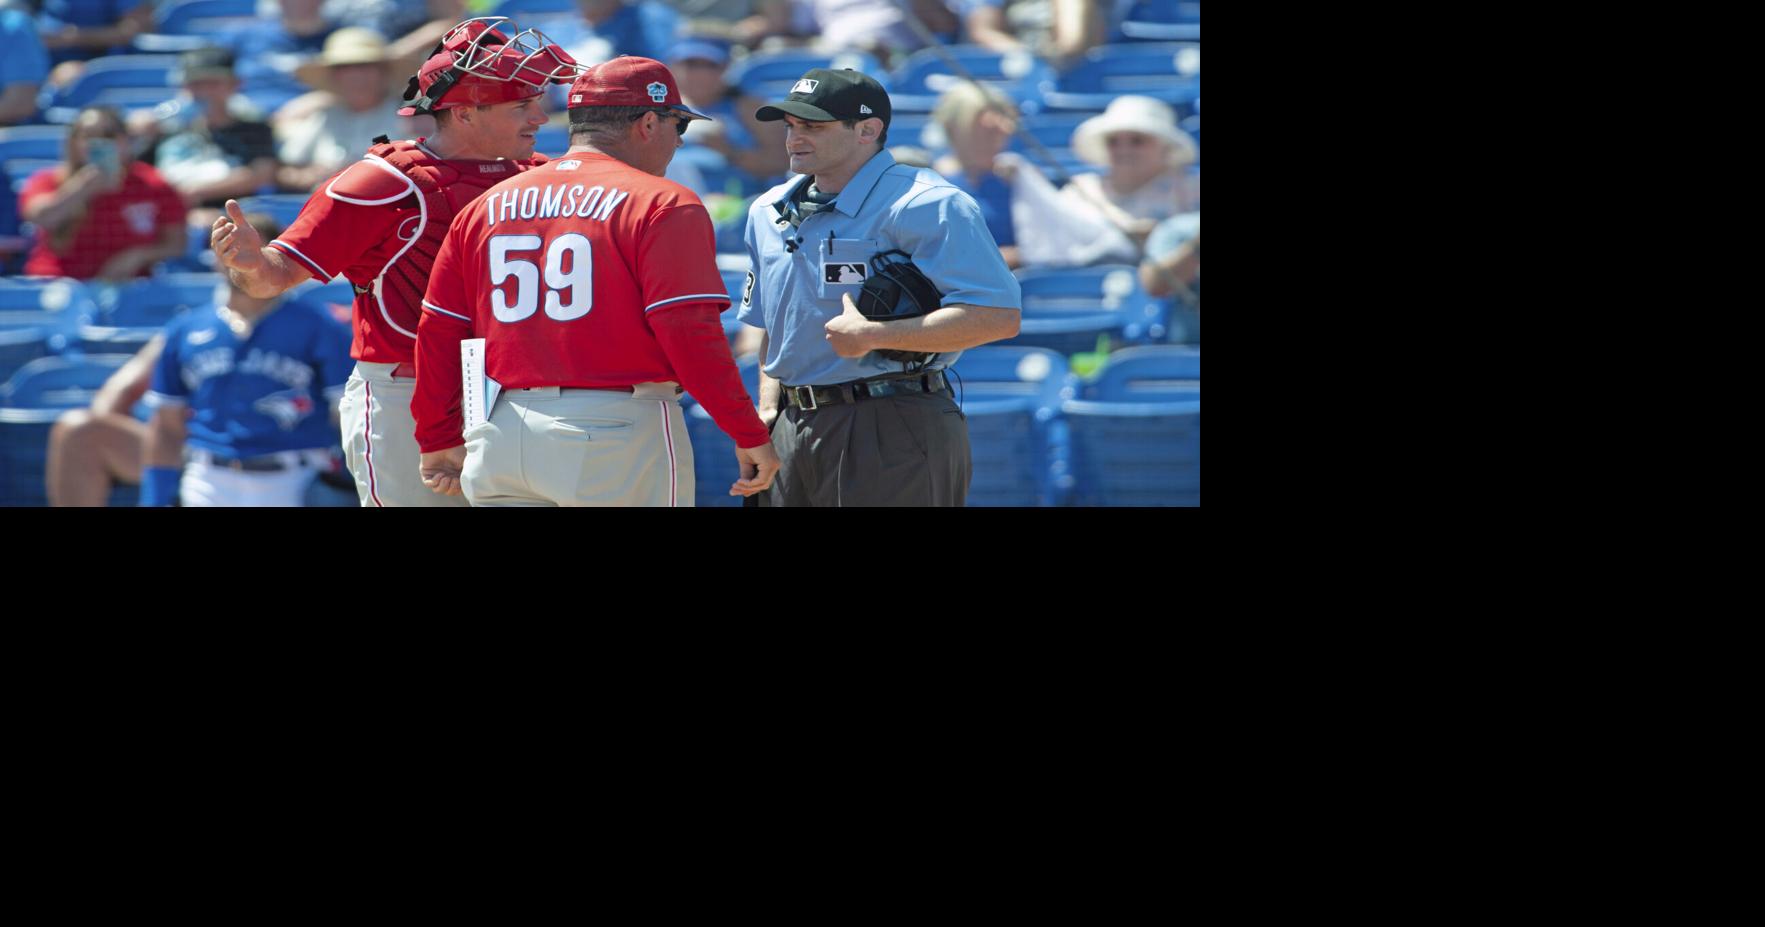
<point x="446" y="186"/>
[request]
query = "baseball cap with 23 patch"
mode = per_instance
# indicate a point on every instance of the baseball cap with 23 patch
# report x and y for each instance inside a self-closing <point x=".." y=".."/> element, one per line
<point x="825" y="95"/>
<point x="630" y="81"/>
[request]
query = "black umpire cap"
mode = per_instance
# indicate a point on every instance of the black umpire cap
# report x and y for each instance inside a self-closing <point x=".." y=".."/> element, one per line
<point x="823" y="96"/>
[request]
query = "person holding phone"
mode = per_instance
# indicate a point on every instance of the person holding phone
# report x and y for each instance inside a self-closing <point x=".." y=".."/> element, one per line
<point x="100" y="214"/>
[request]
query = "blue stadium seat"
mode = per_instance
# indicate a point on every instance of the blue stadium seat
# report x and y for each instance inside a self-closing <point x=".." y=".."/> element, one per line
<point x="25" y="150"/>
<point x="1168" y="71"/>
<point x="43" y="143"/>
<point x="183" y="17"/>
<point x="30" y="402"/>
<point x="917" y="83"/>
<point x="530" y="8"/>
<point x="21" y="344"/>
<point x="337" y="293"/>
<point x="282" y="207"/>
<point x="1066" y="309"/>
<point x="19" y="170"/>
<point x="1163" y="21"/>
<point x="59" y="383"/>
<point x="769" y="75"/>
<point x="156" y="300"/>
<point x="1135" y="453"/>
<point x="1152" y="373"/>
<point x="197" y="258"/>
<point x="731" y="237"/>
<point x="714" y="466"/>
<point x="125" y="81"/>
<point x="1053" y="130"/>
<point x="552" y="141"/>
<point x="1011" y="397"/>
<point x="734" y="281"/>
<point x="131" y="314"/>
<point x="54" y="307"/>
<point x="1136" y="429"/>
<point x="919" y="131"/>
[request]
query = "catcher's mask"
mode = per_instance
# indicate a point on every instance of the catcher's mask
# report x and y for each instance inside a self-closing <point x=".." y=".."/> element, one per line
<point x="484" y="61"/>
<point x="898" y="290"/>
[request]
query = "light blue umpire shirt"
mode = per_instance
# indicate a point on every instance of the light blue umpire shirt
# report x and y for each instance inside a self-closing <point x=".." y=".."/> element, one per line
<point x="886" y="206"/>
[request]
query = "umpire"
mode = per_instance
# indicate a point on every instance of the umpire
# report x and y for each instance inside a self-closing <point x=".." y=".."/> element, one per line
<point x="851" y="424"/>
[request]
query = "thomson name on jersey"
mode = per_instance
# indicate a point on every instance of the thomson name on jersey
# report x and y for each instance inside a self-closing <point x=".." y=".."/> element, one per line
<point x="553" y="201"/>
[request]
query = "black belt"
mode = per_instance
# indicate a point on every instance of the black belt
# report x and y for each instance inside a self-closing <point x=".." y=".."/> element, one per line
<point x="810" y="398"/>
<point x="249" y="465"/>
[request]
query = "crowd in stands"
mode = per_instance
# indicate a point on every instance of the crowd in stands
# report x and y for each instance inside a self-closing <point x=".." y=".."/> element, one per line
<point x="273" y="96"/>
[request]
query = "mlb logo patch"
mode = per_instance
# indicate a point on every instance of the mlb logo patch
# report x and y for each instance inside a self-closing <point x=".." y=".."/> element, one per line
<point x="576" y="98"/>
<point x="843" y="273"/>
<point x="658" y="91"/>
<point x="806" y="86"/>
<point x="569" y="165"/>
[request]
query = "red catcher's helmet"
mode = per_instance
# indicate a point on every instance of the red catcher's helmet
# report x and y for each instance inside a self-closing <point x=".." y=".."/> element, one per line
<point x="486" y="60"/>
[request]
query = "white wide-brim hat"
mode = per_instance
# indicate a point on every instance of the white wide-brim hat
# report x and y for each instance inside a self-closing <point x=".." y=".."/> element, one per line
<point x="1144" y="115"/>
<point x="349" y="45"/>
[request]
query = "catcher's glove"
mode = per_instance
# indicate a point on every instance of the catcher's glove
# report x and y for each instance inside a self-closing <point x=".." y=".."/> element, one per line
<point x="898" y="290"/>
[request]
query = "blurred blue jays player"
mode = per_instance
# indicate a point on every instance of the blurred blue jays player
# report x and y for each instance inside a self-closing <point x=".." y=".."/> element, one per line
<point x="244" y="398"/>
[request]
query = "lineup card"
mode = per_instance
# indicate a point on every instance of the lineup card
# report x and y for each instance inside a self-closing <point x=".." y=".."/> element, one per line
<point x="480" y="390"/>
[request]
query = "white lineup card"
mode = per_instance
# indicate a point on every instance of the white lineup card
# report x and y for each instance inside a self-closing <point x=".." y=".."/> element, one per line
<point x="480" y="390"/>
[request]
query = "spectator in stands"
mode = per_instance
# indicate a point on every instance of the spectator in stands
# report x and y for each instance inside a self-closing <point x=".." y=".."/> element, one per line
<point x="610" y="28"/>
<point x="76" y="30"/>
<point x="756" y="148"/>
<point x="23" y="67"/>
<point x="100" y="213"/>
<point x="217" y="145"/>
<point x="328" y="129"/>
<point x="93" y="449"/>
<point x="1173" y="259"/>
<point x="978" y="123"/>
<point x="1146" y="156"/>
<point x="410" y="28"/>
<point x="268" y="53"/>
<point x="877" y="27"/>
<point x="1057" y="31"/>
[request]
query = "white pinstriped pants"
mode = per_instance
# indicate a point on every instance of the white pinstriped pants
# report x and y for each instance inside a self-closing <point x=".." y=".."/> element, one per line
<point x="568" y="447"/>
<point x="380" y="441"/>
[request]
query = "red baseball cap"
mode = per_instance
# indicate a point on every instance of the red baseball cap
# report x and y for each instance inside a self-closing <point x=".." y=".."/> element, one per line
<point x="630" y="81"/>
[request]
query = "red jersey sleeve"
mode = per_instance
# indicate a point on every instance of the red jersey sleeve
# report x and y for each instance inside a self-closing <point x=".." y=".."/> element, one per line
<point x="447" y="319"/>
<point x="683" y="293"/>
<point x="330" y="234"/>
<point x="677" y="260"/>
<point x="40" y="184"/>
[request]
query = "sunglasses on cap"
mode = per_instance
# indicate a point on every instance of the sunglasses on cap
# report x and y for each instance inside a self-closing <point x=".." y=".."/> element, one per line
<point x="679" y="125"/>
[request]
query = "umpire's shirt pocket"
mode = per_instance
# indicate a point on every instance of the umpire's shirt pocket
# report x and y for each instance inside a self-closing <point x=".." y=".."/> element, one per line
<point x="845" y="262"/>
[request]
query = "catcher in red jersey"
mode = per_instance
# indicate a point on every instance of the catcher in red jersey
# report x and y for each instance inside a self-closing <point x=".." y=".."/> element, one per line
<point x="380" y="221"/>
<point x="594" y="282"/>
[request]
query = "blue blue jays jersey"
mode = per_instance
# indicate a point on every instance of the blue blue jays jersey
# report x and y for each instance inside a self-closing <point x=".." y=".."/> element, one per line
<point x="273" y="392"/>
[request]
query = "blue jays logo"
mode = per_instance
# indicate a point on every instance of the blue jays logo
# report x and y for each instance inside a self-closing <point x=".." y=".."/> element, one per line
<point x="658" y="91"/>
<point x="287" y="407"/>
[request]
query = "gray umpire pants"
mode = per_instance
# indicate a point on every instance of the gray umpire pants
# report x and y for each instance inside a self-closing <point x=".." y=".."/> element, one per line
<point x="905" y="450"/>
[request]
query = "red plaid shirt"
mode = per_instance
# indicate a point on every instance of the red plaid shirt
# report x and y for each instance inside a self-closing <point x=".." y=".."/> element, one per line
<point x="129" y="218"/>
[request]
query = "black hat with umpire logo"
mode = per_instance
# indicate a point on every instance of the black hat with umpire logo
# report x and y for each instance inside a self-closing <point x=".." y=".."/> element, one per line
<point x="824" y="96"/>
